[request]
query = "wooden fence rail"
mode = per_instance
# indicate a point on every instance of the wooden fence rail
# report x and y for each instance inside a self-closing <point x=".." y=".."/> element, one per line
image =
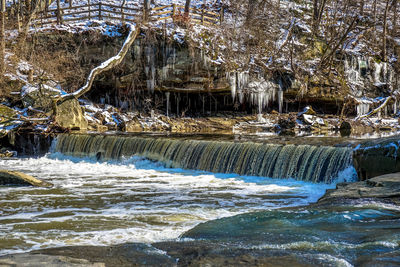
<point x="111" y="12"/>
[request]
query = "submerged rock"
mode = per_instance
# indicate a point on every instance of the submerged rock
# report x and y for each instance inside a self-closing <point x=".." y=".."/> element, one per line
<point x="19" y="178"/>
<point x="131" y="254"/>
<point x="384" y="187"/>
<point x="26" y="259"/>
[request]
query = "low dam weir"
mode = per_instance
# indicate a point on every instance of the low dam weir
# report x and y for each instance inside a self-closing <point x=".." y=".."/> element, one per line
<point x="300" y="162"/>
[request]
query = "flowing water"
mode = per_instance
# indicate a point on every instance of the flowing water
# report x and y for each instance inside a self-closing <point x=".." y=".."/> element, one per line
<point x="364" y="233"/>
<point x="302" y="162"/>
<point x="135" y="200"/>
<point x="110" y="190"/>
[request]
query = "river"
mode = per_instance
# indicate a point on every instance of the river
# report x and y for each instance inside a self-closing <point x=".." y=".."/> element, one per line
<point x="119" y="197"/>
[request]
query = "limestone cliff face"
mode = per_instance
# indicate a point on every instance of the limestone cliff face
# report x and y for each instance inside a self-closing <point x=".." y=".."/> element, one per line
<point x="160" y="73"/>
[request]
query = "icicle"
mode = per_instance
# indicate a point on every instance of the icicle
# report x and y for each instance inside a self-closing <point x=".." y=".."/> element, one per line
<point x="167" y="96"/>
<point x="362" y="109"/>
<point x="149" y="69"/>
<point x="164" y="73"/>
<point x="240" y="97"/>
<point x="232" y="82"/>
<point x="280" y="100"/>
<point x="173" y="58"/>
<point x="384" y="72"/>
<point x="377" y="73"/>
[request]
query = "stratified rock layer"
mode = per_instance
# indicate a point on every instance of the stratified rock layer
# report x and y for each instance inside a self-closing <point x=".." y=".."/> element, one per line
<point x="384" y="187"/>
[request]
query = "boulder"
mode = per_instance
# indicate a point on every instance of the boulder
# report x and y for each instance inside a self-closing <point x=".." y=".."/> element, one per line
<point x="313" y="120"/>
<point x="6" y="113"/>
<point x="69" y="114"/>
<point x="345" y="128"/>
<point x="19" y="178"/>
<point x="307" y="110"/>
<point x="286" y="126"/>
<point x="133" y="126"/>
<point x="39" y="96"/>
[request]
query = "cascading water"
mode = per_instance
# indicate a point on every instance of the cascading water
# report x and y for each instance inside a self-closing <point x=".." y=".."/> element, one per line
<point x="301" y="162"/>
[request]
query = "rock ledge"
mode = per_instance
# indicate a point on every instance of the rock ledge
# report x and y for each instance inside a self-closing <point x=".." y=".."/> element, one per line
<point x="385" y="187"/>
<point x="19" y="178"/>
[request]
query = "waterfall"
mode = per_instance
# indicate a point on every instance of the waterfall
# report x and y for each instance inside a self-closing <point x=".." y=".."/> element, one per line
<point x="301" y="162"/>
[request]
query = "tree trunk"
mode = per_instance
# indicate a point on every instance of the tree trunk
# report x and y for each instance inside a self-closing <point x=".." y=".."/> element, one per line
<point x="250" y="10"/>
<point x="2" y="38"/>
<point x="25" y="27"/>
<point x="395" y="14"/>
<point x="106" y="65"/>
<point x="362" y="7"/>
<point x="146" y="10"/>
<point x="318" y="10"/>
<point x="187" y="7"/>
<point x="385" y="15"/>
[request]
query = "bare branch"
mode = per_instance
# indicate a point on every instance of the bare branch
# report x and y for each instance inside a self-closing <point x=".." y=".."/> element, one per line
<point x="106" y="65"/>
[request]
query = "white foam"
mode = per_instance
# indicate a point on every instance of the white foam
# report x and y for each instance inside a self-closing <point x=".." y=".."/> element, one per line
<point x="134" y="200"/>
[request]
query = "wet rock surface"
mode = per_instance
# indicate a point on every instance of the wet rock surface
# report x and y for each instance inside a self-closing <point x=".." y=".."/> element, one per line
<point x="385" y="187"/>
<point x="27" y="259"/>
<point x="131" y="254"/>
<point x="377" y="157"/>
<point x="19" y="178"/>
<point x="174" y="253"/>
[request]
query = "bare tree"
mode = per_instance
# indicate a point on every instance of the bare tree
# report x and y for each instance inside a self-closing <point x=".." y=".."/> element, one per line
<point x="318" y="10"/>
<point x="2" y="37"/>
<point x="384" y="32"/>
